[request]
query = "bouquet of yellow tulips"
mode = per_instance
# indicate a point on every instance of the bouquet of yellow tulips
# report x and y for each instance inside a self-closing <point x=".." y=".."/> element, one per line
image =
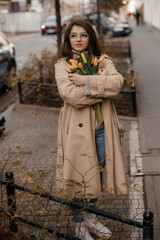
<point x="88" y="65"/>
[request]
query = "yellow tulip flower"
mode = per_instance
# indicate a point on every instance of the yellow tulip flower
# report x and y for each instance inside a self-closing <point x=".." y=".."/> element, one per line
<point x="73" y="61"/>
<point x="92" y="60"/>
<point x="73" y="66"/>
<point x="95" y="62"/>
<point x="101" y="59"/>
<point x="80" y="65"/>
<point x="84" y="58"/>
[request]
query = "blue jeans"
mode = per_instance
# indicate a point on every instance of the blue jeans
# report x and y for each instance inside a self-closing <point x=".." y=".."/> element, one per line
<point x="100" y="148"/>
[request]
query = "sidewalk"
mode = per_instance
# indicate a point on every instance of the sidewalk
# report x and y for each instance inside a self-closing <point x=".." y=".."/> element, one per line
<point x="145" y="44"/>
<point x="31" y="136"/>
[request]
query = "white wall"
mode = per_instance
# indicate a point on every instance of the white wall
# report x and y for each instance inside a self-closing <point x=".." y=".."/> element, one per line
<point x="152" y="12"/>
<point x="22" y="22"/>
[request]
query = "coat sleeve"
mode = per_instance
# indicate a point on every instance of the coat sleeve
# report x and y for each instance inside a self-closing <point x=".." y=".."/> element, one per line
<point x="106" y="84"/>
<point x="69" y="92"/>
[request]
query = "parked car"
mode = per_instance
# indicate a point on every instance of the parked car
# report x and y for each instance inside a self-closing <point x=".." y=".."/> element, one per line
<point x="114" y="27"/>
<point x="49" y="25"/>
<point x="111" y="27"/>
<point x="7" y="61"/>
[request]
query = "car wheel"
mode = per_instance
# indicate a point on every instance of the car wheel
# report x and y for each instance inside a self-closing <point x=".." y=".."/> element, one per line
<point x="109" y="34"/>
<point x="10" y="82"/>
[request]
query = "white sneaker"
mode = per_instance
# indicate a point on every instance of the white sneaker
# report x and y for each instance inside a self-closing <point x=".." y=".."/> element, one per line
<point x="96" y="227"/>
<point x="81" y="231"/>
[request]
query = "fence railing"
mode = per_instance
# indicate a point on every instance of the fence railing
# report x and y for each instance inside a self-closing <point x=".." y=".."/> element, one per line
<point x="122" y="49"/>
<point x="132" y="92"/>
<point x="147" y="224"/>
<point x="22" y="96"/>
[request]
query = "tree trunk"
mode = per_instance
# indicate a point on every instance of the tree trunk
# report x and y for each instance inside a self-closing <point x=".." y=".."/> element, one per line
<point x="100" y="31"/>
<point x="59" y="27"/>
<point x="98" y="13"/>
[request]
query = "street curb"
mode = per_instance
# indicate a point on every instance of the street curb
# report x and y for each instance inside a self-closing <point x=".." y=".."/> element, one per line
<point x="143" y="144"/>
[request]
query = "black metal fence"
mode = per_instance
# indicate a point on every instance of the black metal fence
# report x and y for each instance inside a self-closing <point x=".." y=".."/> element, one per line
<point x="120" y="49"/>
<point x="2" y="125"/>
<point x="132" y="92"/>
<point x="22" y="97"/>
<point x="147" y="224"/>
<point x="33" y="84"/>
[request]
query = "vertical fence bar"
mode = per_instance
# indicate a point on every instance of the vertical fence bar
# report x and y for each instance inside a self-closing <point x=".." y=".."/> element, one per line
<point x="133" y="90"/>
<point x="20" y="92"/>
<point x="129" y="50"/>
<point x="11" y="200"/>
<point x="148" y="225"/>
<point x="134" y="102"/>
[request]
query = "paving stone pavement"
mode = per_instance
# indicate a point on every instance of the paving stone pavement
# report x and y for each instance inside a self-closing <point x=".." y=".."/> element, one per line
<point x="28" y="148"/>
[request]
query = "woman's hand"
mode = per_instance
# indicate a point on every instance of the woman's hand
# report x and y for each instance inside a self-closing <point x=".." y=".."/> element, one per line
<point x="77" y="79"/>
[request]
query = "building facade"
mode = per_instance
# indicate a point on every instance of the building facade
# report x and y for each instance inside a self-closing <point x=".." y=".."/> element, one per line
<point x="151" y="12"/>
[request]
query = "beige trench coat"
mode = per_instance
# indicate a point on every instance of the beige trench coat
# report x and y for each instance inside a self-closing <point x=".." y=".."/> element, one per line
<point x="77" y="171"/>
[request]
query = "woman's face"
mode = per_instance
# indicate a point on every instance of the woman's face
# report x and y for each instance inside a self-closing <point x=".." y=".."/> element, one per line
<point x="79" y="38"/>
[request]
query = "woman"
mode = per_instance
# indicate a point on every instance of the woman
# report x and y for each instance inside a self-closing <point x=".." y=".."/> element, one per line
<point x="89" y="154"/>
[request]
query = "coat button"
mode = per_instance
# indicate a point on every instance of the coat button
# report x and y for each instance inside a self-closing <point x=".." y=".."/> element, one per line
<point x="80" y="125"/>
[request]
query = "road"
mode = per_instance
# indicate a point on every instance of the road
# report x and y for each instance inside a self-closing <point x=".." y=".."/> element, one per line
<point x="33" y="43"/>
<point x="26" y="44"/>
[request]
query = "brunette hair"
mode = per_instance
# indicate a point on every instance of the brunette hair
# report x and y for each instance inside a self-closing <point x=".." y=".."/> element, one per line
<point x="93" y="46"/>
